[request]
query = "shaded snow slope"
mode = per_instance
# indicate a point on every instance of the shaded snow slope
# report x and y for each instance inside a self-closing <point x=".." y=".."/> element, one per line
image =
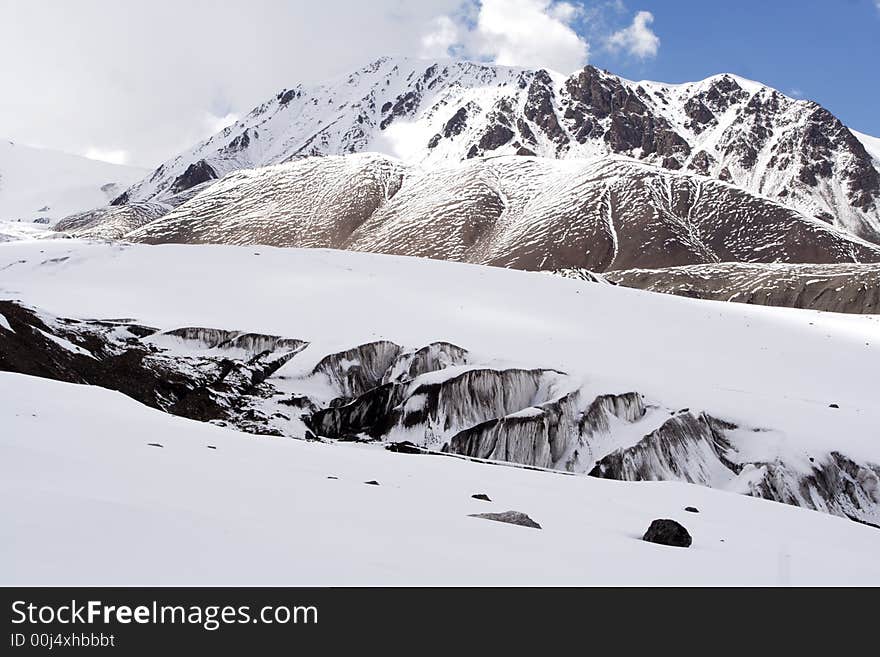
<point x="77" y="464"/>
<point x="871" y="144"/>
<point x="436" y="113"/>
<point x="45" y="185"/>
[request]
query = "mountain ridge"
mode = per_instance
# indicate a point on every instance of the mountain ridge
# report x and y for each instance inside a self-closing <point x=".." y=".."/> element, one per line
<point x="602" y="214"/>
<point x="433" y="113"/>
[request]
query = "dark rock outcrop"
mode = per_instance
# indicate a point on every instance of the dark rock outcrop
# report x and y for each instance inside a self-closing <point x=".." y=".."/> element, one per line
<point x="667" y="532"/>
<point x="115" y="355"/>
<point x="686" y="447"/>
<point x="197" y="173"/>
<point x="559" y="434"/>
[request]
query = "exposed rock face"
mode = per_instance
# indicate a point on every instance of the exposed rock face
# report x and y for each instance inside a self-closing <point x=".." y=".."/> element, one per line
<point x="558" y="434"/>
<point x="836" y="485"/>
<point x="434" y="398"/>
<point x="510" y="517"/>
<point x="703" y="450"/>
<point x="520" y="212"/>
<point x="843" y="288"/>
<point x="195" y="174"/>
<point x="668" y="532"/>
<point x="731" y="129"/>
<point x="685" y="448"/>
<point x="121" y="356"/>
<point x="358" y="370"/>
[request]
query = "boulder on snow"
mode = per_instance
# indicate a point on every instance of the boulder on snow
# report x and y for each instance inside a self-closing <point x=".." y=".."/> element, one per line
<point x="691" y="509"/>
<point x="510" y="517"/>
<point x="406" y="447"/>
<point x="481" y="496"/>
<point x="667" y="532"/>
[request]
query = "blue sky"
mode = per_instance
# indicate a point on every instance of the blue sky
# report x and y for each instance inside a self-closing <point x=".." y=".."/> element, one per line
<point x="827" y="50"/>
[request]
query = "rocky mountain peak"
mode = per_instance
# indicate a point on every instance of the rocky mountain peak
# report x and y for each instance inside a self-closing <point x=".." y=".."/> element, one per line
<point x="436" y="113"/>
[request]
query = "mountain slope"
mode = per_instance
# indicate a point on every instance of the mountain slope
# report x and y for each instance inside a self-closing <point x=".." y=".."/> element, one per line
<point x="846" y="288"/>
<point x="434" y="113"/>
<point x="38" y="184"/>
<point x="520" y="212"/>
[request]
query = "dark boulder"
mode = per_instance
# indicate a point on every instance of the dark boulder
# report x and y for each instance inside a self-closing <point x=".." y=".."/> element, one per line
<point x="481" y="496"/>
<point x="406" y="447"/>
<point x="667" y="532"/>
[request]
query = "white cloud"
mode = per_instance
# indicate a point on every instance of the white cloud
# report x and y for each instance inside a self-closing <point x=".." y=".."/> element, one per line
<point x="531" y="33"/>
<point x="441" y="39"/>
<point x="214" y="123"/>
<point x="111" y="156"/>
<point x="638" y="39"/>
<point x="141" y="75"/>
<point x="567" y="12"/>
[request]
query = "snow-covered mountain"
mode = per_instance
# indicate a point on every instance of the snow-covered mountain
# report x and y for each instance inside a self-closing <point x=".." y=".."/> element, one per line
<point x="44" y="185"/>
<point x="437" y="113"/>
<point x="477" y="362"/>
<point x="532" y="213"/>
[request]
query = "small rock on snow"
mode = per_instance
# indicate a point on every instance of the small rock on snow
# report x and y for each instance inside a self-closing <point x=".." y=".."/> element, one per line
<point x="510" y="517"/>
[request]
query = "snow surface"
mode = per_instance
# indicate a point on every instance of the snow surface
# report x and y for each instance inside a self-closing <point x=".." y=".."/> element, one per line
<point x="871" y="144"/>
<point x="85" y="500"/>
<point x="32" y="179"/>
<point x="760" y="367"/>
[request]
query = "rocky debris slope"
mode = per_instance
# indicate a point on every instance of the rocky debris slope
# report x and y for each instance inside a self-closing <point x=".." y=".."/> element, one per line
<point x="525" y="213"/>
<point x="843" y="288"/>
<point x="440" y="113"/>
<point x="111" y="222"/>
<point x="437" y="397"/>
<point x="700" y="449"/>
<point x="202" y="374"/>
